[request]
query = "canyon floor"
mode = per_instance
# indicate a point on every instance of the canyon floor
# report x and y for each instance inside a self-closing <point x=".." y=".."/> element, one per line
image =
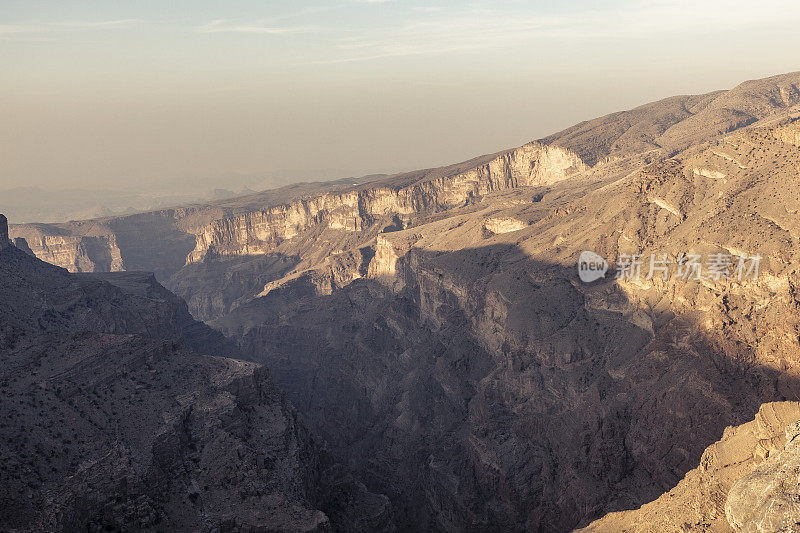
<point x="443" y="365"/>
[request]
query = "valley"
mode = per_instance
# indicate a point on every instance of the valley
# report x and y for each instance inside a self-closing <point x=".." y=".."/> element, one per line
<point x="449" y="369"/>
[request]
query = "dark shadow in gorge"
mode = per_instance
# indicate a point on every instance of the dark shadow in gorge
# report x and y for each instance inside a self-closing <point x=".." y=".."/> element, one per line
<point x="494" y="392"/>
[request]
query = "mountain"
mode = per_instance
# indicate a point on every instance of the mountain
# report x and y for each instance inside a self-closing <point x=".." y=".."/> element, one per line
<point x="753" y="464"/>
<point x="33" y="204"/>
<point x="117" y="414"/>
<point x="433" y="330"/>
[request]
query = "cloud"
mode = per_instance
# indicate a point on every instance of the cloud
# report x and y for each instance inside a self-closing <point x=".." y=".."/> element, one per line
<point x="447" y="31"/>
<point x="444" y="33"/>
<point x="10" y="30"/>
<point x="225" y="26"/>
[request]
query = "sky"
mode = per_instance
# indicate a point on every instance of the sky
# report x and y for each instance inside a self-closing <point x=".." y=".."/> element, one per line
<point x="157" y="94"/>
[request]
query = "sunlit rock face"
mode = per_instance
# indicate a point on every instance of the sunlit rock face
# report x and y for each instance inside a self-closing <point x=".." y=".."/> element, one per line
<point x="262" y="232"/>
<point x="768" y="499"/>
<point x="164" y="241"/>
<point x="741" y="483"/>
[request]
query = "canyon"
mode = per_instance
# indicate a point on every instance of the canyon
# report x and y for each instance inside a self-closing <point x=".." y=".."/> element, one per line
<point x="449" y="370"/>
<point x="122" y="412"/>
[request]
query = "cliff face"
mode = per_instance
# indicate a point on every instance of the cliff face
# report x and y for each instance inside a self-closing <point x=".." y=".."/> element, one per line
<point x="432" y="327"/>
<point x="113" y="420"/>
<point x="164" y="241"/>
<point x="262" y="232"/>
<point x="154" y="242"/>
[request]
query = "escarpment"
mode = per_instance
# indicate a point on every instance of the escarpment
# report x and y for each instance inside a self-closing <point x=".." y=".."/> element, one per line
<point x="433" y="330"/>
<point x="468" y="359"/>
<point x="352" y="211"/>
<point x="164" y="241"/>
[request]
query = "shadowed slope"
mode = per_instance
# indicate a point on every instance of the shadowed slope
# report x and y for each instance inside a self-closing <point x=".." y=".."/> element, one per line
<point x="109" y="420"/>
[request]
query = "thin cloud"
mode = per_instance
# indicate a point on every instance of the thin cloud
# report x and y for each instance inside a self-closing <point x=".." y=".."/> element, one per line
<point x="452" y="33"/>
<point x="226" y="26"/>
<point x="442" y="32"/>
<point x="10" y="30"/>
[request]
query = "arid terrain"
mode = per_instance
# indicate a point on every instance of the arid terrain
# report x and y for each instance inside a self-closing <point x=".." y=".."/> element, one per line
<point x="444" y="367"/>
<point x="120" y="414"/>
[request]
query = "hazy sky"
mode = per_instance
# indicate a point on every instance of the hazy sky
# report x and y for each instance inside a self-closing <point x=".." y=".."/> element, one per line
<point x="125" y="93"/>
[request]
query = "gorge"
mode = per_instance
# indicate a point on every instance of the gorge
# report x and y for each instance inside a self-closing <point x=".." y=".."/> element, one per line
<point x="449" y="370"/>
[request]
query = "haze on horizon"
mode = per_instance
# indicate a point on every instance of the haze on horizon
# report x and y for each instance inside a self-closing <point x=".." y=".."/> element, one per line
<point x="120" y="95"/>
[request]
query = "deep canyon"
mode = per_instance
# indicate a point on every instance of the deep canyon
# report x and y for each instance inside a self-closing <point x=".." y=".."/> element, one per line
<point x="417" y="352"/>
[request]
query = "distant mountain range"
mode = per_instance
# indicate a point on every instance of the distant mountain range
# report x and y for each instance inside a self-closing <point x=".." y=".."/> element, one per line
<point x="32" y="204"/>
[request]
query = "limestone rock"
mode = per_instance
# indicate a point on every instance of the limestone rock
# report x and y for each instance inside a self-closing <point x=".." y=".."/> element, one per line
<point x="732" y="467"/>
<point x="767" y="500"/>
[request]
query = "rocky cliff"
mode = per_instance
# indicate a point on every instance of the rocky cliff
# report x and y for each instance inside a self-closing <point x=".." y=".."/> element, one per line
<point x="738" y="485"/>
<point x="432" y="328"/>
<point x="113" y="420"/>
<point x="768" y="498"/>
<point x="258" y="233"/>
<point x="476" y="380"/>
<point x="164" y="241"/>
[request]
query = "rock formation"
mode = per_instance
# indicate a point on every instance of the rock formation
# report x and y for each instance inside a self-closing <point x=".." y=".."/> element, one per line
<point x="474" y="360"/>
<point x="110" y="245"/>
<point x="112" y="419"/>
<point x="432" y="329"/>
<point x="743" y="465"/>
<point x="4" y="241"/>
<point x="768" y="499"/>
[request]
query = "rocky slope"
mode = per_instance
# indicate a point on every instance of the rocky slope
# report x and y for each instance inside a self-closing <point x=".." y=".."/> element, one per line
<point x="736" y="487"/>
<point x="110" y="420"/>
<point x="431" y="327"/>
<point x="188" y="235"/>
<point x="489" y="388"/>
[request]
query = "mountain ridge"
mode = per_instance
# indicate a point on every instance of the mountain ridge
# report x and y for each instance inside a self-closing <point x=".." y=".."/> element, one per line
<point x="104" y="244"/>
